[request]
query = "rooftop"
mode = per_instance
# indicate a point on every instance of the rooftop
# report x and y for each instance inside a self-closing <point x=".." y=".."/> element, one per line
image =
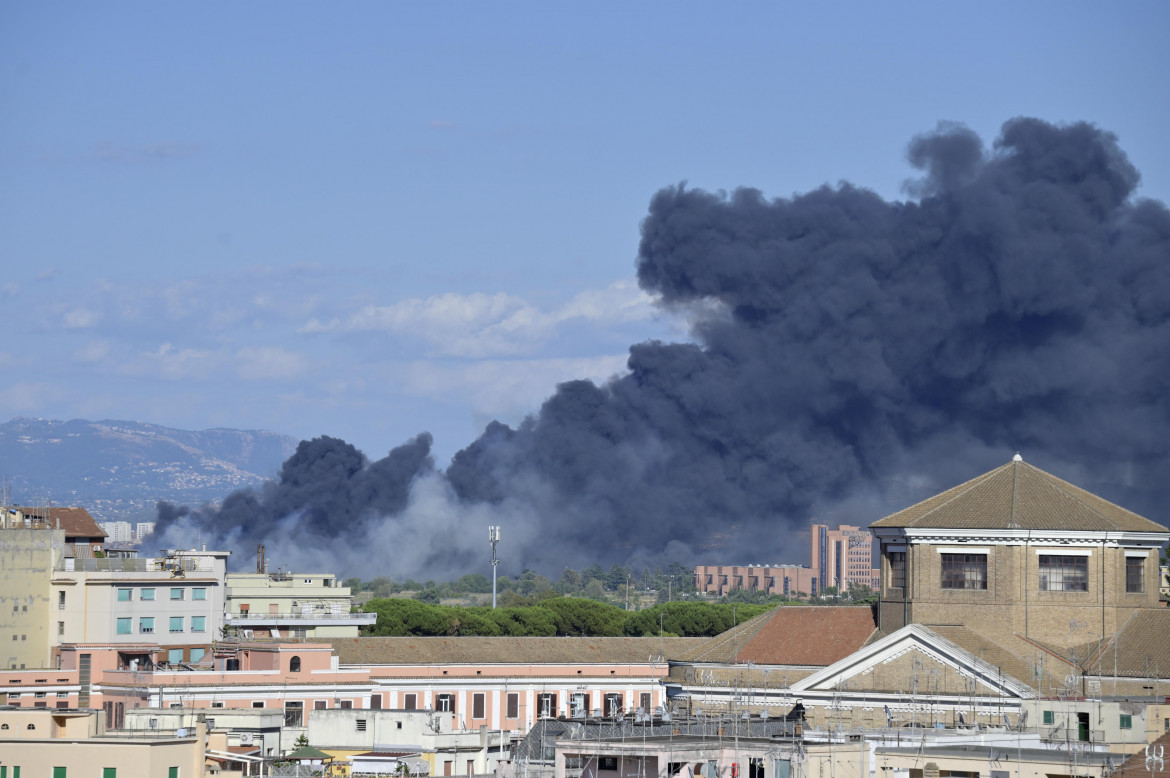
<point x="1019" y="496"/>
<point x="799" y="635"/>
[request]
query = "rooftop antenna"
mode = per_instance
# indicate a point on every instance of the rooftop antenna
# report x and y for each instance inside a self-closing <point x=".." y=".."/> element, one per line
<point x="494" y="538"/>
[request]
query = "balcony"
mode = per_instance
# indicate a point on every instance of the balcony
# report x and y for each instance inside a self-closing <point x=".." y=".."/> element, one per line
<point x="321" y="618"/>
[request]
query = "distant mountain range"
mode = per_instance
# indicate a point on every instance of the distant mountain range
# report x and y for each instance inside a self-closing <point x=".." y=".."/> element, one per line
<point x="118" y="470"/>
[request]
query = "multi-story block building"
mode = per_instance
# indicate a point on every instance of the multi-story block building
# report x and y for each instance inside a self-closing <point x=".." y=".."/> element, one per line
<point x="117" y="530"/>
<point x="50" y="596"/>
<point x="143" y="530"/>
<point x="787" y="580"/>
<point x="299" y="605"/>
<point x="839" y="557"/>
<point x="174" y="605"/>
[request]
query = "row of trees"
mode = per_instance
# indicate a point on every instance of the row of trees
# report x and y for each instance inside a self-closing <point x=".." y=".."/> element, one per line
<point x="557" y="616"/>
<point x="594" y="582"/>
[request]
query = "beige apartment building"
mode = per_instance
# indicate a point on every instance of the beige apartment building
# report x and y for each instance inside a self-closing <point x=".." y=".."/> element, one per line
<point x="173" y="605"/>
<point x="292" y="605"/>
<point x="68" y="743"/>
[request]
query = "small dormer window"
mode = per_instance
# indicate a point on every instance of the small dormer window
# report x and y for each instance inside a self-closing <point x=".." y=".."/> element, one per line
<point x="294" y="664"/>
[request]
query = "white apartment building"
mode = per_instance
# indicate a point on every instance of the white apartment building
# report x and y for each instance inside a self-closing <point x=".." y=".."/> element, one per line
<point x="117" y="531"/>
<point x="301" y="605"/>
<point x="143" y="530"/>
<point x="172" y="606"/>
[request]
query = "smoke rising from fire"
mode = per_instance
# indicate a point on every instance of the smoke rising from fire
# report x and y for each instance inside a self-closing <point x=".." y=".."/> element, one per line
<point x="851" y="355"/>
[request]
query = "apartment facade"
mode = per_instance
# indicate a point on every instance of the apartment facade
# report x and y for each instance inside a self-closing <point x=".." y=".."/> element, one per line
<point x="173" y="606"/>
<point x="292" y="605"/>
<point x="787" y="580"/>
<point x="67" y="743"/>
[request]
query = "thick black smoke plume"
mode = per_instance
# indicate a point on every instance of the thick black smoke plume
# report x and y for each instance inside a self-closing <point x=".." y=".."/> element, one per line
<point x="851" y="356"/>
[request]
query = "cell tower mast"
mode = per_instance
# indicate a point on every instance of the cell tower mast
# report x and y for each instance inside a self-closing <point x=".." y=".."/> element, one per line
<point x="494" y="538"/>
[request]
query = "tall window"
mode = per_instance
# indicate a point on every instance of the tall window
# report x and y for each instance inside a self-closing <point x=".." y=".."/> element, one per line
<point x="409" y="702"/>
<point x="1064" y="573"/>
<point x="513" y="705"/>
<point x="1135" y="569"/>
<point x="124" y="626"/>
<point x="294" y="664"/>
<point x="477" y="706"/>
<point x="198" y="623"/>
<point x="445" y="703"/>
<point x="964" y="571"/>
<point x="897" y="569"/>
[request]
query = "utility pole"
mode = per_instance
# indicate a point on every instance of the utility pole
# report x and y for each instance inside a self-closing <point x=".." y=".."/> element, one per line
<point x="494" y="538"/>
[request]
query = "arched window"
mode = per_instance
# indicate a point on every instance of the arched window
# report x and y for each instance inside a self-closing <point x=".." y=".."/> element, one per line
<point x="32" y="726"/>
<point x="3" y="726"/>
<point x="294" y="664"/>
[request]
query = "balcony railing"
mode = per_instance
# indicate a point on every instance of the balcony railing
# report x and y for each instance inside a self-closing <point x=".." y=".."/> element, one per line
<point x="310" y="616"/>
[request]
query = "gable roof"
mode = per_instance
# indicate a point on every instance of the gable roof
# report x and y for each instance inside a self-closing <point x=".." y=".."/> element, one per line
<point x="76" y="522"/>
<point x="505" y="650"/>
<point x="915" y="637"/>
<point x="815" y="635"/>
<point x="1019" y="496"/>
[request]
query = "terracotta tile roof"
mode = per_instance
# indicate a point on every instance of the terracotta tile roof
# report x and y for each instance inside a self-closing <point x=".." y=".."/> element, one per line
<point x="505" y="650"/>
<point x="76" y="522"/>
<point x="1018" y="495"/>
<point x="1135" y="765"/>
<point x="792" y="635"/>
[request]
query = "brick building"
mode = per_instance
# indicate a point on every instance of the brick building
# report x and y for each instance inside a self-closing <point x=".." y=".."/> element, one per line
<point x="789" y="580"/>
<point x="1015" y="593"/>
<point x="1018" y="552"/>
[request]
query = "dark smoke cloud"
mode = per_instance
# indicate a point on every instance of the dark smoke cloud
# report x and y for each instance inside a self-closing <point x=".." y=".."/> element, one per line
<point x="851" y="355"/>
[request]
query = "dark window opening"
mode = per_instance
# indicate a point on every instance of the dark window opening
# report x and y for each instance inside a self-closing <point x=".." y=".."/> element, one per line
<point x="964" y="571"/>
<point x="1064" y="573"/>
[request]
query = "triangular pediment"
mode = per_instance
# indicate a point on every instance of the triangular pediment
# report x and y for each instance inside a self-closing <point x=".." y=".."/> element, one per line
<point x="914" y="660"/>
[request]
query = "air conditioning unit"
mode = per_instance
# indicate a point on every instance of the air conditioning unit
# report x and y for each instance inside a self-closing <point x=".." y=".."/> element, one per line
<point x="245" y="738"/>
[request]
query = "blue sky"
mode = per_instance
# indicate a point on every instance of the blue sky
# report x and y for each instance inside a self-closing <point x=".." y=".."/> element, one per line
<point x="372" y="219"/>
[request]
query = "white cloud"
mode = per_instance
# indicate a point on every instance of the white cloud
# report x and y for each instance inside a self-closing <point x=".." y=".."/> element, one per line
<point x="265" y="362"/>
<point x="481" y="326"/>
<point x="505" y="388"/>
<point x="171" y="362"/>
<point x="94" y="351"/>
<point x="80" y="318"/>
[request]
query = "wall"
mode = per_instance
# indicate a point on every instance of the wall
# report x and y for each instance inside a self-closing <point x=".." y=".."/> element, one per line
<point x="26" y="558"/>
<point x="1012" y="603"/>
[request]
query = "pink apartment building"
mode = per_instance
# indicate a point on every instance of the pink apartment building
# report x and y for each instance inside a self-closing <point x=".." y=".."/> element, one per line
<point x="842" y="556"/>
<point x="779" y="579"/>
<point x="499" y="683"/>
